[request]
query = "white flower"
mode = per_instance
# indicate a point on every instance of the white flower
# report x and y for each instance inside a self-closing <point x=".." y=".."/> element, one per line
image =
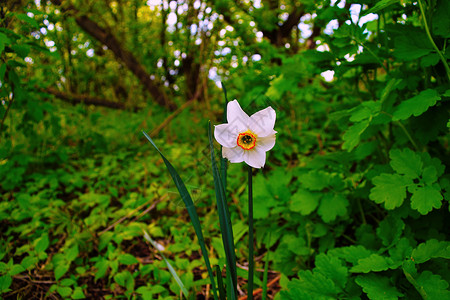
<point x="246" y="138"/>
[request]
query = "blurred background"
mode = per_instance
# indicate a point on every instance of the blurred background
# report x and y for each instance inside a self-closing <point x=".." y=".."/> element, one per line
<point x="81" y="79"/>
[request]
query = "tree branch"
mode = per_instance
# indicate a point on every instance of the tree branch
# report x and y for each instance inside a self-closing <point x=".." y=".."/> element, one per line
<point x="86" y="99"/>
<point x="109" y="39"/>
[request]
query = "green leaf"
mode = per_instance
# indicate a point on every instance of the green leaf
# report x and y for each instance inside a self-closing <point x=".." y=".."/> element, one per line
<point x="431" y="249"/>
<point x="304" y="202"/>
<point x="42" y="243"/>
<point x="331" y="206"/>
<point x="351" y="253"/>
<point x="314" y="180"/>
<point x="61" y="269"/>
<point x="424" y="199"/>
<point x="389" y="189"/>
<point x="352" y="136"/>
<point x="127" y="259"/>
<point x="24" y="17"/>
<point x="72" y="253"/>
<point x="390" y="230"/>
<point x="169" y="266"/>
<point x="16" y="269"/>
<point x="64" y="291"/>
<point x="5" y="283"/>
<point x="78" y="293"/>
<point x="433" y="286"/>
<point x="4" y="40"/>
<point x="373" y="263"/>
<point x="406" y="162"/>
<point x="102" y="266"/>
<point x="377" y="287"/>
<point x="416" y="105"/>
<point x="312" y="286"/>
<point x="332" y="268"/>
<point x="191" y="210"/>
<point x="381" y="5"/>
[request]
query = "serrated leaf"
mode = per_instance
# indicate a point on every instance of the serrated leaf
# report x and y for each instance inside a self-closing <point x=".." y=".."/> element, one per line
<point x="433" y="285"/>
<point x="390" y="230"/>
<point x="352" y="136"/>
<point x="431" y="249"/>
<point x="406" y="162"/>
<point x="312" y="286"/>
<point x="416" y="105"/>
<point x="331" y="206"/>
<point x="377" y="287"/>
<point x="424" y="199"/>
<point x="351" y="253"/>
<point x="304" y="202"/>
<point x="127" y="259"/>
<point x="373" y="263"/>
<point x="429" y="175"/>
<point x="389" y="189"/>
<point x="332" y="268"/>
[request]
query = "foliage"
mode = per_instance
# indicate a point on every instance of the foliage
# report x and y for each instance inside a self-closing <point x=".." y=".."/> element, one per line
<point x="354" y="199"/>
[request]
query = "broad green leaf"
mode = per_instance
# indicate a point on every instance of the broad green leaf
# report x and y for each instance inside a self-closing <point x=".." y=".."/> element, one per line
<point x="4" y="40"/>
<point x="429" y="175"/>
<point x="433" y="286"/>
<point x="389" y="189"/>
<point x="416" y="105"/>
<point x="431" y="249"/>
<point x="61" y="269"/>
<point x="127" y="259"/>
<point x="332" y="268"/>
<point x="390" y="230"/>
<point x="314" y="180"/>
<point x="424" y="199"/>
<point x="78" y="293"/>
<point x="377" y="287"/>
<point x="441" y="21"/>
<point x="312" y="286"/>
<point x="352" y="136"/>
<point x="42" y="243"/>
<point x="5" y="282"/>
<point x="24" y="17"/>
<point x="373" y="263"/>
<point x="411" y="46"/>
<point x="351" y="253"/>
<point x="406" y="162"/>
<point x="331" y="206"/>
<point x="169" y="266"/>
<point x="72" y="253"/>
<point x="64" y="291"/>
<point x="304" y="202"/>
<point x="16" y="269"/>
<point x="101" y="266"/>
<point x="381" y="5"/>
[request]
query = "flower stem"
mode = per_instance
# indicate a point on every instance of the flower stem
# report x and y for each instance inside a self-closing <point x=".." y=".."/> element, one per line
<point x="250" y="234"/>
<point x="427" y="30"/>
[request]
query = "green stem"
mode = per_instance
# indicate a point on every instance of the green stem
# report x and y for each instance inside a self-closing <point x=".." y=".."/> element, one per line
<point x="427" y="29"/>
<point x="250" y="234"/>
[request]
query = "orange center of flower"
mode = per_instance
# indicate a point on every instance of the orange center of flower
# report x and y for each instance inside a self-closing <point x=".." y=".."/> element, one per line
<point x="246" y="140"/>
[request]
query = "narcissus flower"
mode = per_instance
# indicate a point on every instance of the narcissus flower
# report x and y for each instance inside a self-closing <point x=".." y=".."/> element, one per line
<point x="246" y="138"/>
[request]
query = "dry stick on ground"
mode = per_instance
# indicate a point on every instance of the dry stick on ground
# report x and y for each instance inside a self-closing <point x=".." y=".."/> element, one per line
<point x="259" y="290"/>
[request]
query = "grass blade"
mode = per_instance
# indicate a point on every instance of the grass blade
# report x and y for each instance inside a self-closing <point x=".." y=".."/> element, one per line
<point x="191" y="210"/>
<point x="224" y="219"/>
<point x="169" y="266"/>
<point x="222" y="293"/>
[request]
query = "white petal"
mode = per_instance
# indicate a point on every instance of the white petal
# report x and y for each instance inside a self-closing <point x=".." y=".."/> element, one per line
<point x="236" y="117"/>
<point x="255" y="158"/>
<point x="225" y="135"/>
<point x="263" y="121"/>
<point x="234" y="155"/>
<point x="265" y="143"/>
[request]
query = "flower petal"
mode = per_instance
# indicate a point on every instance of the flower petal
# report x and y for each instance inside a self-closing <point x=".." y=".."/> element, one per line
<point x="263" y="121"/>
<point x="225" y="135"/>
<point x="266" y="143"/>
<point x="236" y="117"/>
<point x="255" y="158"/>
<point x="234" y="155"/>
